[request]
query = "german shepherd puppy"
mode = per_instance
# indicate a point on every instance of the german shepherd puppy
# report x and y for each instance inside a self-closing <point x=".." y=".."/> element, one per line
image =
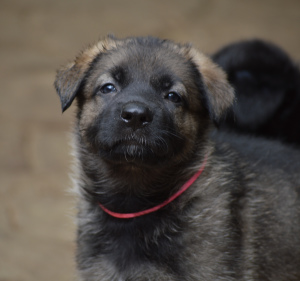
<point x="161" y="196"/>
<point x="267" y="87"/>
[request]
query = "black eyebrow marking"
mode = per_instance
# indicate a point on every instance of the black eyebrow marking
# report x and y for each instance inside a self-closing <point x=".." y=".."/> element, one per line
<point x="119" y="74"/>
<point x="162" y="82"/>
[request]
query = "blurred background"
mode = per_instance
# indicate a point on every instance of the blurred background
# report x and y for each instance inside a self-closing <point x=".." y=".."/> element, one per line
<point x="37" y="230"/>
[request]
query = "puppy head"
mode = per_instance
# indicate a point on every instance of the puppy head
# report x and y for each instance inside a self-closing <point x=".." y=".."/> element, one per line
<point x="143" y="100"/>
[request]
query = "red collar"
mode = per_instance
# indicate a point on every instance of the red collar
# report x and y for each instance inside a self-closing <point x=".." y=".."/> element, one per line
<point x="163" y="204"/>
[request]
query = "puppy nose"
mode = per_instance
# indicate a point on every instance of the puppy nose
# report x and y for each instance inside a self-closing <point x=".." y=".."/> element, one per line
<point x="136" y="115"/>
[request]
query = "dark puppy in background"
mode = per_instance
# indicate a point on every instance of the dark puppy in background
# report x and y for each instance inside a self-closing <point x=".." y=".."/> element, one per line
<point x="160" y="197"/>
<point x="267" y="87"/>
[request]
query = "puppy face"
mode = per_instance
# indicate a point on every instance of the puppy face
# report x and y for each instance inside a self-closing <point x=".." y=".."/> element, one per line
<point x="143" y="101"/>
<point x="136" y="105"/>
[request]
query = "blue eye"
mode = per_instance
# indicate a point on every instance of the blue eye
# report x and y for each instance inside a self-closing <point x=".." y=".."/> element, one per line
<point x="108" y="88"/>
<point x="174" y="97"/>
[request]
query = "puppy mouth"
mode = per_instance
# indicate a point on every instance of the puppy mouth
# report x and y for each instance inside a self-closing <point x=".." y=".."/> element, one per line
<point x="133" y="147"/>
<point x="138" y="150"/>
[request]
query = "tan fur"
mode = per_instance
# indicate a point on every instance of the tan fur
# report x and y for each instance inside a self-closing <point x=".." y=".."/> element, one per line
<point x="87" y="56"/>
<point x="221" y="93"/>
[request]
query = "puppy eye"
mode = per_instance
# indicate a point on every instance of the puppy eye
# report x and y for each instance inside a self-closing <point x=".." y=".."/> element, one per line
<point x="174" y="97"/>
<point x="108" y="88"/>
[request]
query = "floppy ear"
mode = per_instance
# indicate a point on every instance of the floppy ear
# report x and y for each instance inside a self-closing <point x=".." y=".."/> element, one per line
<point x="69" y="78"/>
<point x="219" y="94"/>
<point x="67" y="83"/>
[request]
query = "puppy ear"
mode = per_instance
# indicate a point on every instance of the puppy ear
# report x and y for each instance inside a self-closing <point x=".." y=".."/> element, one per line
<point x="67" y="83"/>
<point x="219" y="94"/>
<point x="69" y="78"/>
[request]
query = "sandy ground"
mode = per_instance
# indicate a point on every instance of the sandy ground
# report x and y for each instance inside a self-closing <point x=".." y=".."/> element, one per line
<point x="36" y="209"/>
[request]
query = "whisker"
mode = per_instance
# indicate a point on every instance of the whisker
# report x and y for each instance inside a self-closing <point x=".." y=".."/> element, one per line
<point x="170" y="133"/>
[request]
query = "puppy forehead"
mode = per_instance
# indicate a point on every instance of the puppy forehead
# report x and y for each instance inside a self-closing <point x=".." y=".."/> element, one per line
<point x="144" y="62"/>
